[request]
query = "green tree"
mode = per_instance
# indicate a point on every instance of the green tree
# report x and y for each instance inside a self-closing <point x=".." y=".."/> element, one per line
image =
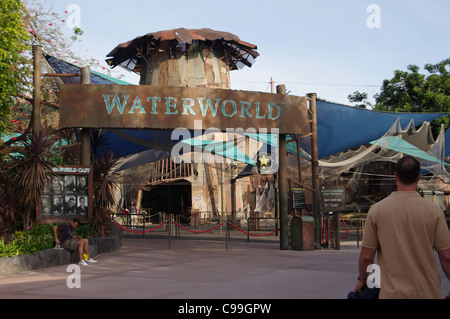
<point x="26" y="161"/>
<point x="413" y="91"/>
<point x="13" y="67"/>
<point x="360" y="98"/>
<point x="33" y="21"/>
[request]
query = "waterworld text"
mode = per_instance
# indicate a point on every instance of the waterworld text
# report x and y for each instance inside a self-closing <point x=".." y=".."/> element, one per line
<point x="189" y="106"/>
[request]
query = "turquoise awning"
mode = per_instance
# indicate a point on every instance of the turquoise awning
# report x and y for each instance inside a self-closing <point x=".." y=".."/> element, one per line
<point x="397" y="144"/>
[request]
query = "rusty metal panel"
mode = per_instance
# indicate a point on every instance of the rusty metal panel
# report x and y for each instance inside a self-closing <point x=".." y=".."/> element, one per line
<point x="147" y="106"/>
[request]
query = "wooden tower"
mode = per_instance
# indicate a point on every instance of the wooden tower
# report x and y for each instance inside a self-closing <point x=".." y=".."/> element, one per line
<point x="184" y="57"/>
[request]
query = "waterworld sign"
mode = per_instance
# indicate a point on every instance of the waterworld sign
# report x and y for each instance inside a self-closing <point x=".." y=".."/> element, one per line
<point x="146" y="106"/>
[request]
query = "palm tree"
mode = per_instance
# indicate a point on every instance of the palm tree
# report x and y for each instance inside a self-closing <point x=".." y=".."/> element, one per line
<point x="32" y="170"/>
<point x="104" y="182"/>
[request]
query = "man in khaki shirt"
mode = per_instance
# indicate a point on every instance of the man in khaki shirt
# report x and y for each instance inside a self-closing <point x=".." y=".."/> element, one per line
<point x="403" y="230"/>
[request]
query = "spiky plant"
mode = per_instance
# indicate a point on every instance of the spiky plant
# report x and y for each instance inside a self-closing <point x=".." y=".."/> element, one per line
<point x="32" y="170"/>
<point x="104" y="181"/>
<point x="100" y="144"/>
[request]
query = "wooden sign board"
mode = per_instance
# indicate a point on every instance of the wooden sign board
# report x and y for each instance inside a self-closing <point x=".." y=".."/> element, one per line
<point x="333" y="197"/>
<point x="298" y="197"/>
<point x="147" y="106"/>
<point x="67" y="195"/>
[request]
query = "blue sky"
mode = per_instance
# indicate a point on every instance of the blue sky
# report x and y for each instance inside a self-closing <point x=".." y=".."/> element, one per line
<point x="321" y="46"/>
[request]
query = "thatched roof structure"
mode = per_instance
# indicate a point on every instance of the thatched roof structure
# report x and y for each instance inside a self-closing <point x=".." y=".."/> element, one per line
<point x="235" y="52"/>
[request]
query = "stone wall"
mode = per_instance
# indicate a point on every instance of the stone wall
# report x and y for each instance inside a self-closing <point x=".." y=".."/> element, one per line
<point x="55" y="257"/>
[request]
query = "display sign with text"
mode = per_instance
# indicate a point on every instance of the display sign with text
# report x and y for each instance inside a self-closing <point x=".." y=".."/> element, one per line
<point x="147" y="106"/>
<point x="333" y="197"/>
<point x="298" y="197"/>
<point x="67" y="195"/>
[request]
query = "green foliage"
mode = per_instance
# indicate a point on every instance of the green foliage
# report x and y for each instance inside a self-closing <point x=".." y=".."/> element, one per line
<point x="40" y="237"/>
<point x="25" y="164"/>
<point x="85" y="231"/>
<point x="412" y="91"/>
<point x="33" y="170"/>
<point x="26" y="243"/>
<point x="360" y="98"/>
<point x="104" y="180"/>
<point x="76" y="32"/>
<point x="13" y="39"/>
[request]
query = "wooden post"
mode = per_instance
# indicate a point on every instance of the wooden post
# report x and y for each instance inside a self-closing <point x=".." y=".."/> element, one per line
<point x="299" y="164"/>
<point x="36" y="112"/>
<point x="233" y="199"/>
<point x="233" y="174"/>
<point x="283" y="186"/>
<point x="85" y="134"/>
<point x="315" y="167"/>
<point x="139" y="199"/>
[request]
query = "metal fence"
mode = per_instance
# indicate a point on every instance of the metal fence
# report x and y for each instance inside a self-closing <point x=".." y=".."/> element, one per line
<point x="212" y="223"/>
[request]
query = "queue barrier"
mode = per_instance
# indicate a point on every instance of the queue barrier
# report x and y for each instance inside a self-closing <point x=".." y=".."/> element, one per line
<point x="173" y="222"/>
<point x="136" y="231"/>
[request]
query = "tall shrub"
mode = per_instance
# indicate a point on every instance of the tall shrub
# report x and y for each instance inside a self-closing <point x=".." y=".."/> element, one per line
<point x="104" y="181"/>
<point x="32" y="171"/>
<point x="13" y="72"/>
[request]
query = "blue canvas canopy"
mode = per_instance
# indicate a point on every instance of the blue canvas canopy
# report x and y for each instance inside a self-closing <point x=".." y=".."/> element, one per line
<point x="341" y="127"/>
<point x="60" y="66"/>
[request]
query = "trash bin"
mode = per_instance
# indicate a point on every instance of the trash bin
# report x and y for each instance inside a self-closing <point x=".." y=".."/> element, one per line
<point x="302" y="233"/>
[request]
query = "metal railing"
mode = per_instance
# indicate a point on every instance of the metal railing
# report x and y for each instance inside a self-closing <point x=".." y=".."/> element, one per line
<point x="202" y="223"/>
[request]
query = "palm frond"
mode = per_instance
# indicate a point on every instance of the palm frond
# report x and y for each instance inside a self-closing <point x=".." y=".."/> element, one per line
<point x="33" y="169"/>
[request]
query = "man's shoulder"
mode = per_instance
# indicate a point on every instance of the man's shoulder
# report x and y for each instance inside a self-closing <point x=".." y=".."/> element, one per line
<point x="402" y="196"/>
<point x="64" y="225"/>
<point x="406" y="199"/>
<point x="393" y="199"/>
<point x="385" y="200"/>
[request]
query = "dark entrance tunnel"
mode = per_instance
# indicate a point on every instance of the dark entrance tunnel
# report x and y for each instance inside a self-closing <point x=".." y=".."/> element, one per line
<point x="170" y="198"/>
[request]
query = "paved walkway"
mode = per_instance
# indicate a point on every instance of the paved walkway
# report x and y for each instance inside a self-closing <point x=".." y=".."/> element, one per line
<point x="198" y="269"/>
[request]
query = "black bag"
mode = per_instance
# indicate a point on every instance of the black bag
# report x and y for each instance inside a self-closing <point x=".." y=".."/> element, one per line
<point x="365" y="293"/>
